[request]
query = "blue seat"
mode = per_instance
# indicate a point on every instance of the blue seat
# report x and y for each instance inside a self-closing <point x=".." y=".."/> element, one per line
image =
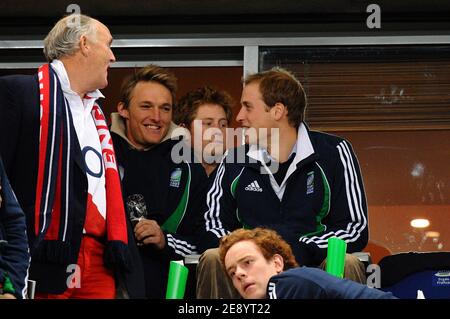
<point x="406" y="273"/>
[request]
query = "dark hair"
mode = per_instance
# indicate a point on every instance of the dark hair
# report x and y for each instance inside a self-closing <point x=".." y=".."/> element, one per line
<point x="267" y="240"/>
<point x="149" y="73"/>
<point x="189" y="104"/>
<point x="281" y="86"/>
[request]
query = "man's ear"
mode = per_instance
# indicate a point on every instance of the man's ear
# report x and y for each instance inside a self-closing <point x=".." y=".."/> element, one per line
<point x="278" y="262"/>
<point x="278" y="111"/>
<point x="123" y="111"/>
<point x="84" y="45"/>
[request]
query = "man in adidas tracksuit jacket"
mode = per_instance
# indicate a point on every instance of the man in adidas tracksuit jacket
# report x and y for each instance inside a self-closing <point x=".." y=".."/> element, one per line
<point x="315" y="191"/>
<point x="173" y="194"/>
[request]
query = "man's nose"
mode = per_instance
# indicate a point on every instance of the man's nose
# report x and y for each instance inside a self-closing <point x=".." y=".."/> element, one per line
<point x="241" y="115"/>
<point x="215" y="125"/>
<point x="240" y="273"/>
<point x="156" y="114"/>
<point x="112" y="57"/>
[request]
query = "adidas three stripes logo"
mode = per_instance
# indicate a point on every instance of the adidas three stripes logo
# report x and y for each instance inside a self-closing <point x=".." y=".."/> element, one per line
<point x="253" y="187"/>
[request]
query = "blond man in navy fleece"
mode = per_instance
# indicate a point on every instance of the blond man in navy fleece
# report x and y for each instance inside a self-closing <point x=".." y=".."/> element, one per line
<point x="171" y="192"/>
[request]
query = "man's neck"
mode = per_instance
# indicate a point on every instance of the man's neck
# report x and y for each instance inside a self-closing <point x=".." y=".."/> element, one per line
<point x="281" y="150"/>
<point x="76" y="78"/>
<point x="209" y="168"/>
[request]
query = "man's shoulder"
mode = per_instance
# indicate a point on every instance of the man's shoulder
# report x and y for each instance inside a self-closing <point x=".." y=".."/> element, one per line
<point x="119" y="142"/>
<point x="20" y="90"/>
<point x="329" y="146"/>
<point x="308" y="276"/>
<point x="19" y="80"/>
<point x="238" y="157"/>
<point x="178" y="153"/>
<point x="116" y="137"/>
<point x="306" y="273"/>
<point x="178" y="150"/>
<point x="325" y="139"/>
<point x="297" y="283"/>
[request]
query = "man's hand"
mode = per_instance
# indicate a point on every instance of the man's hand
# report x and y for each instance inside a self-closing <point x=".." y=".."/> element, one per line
<point x="148" y="231"/>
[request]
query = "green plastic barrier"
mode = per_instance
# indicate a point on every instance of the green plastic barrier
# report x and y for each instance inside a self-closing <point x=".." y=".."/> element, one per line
<point x="337" y="249"/>
<point x="176" y="284"/>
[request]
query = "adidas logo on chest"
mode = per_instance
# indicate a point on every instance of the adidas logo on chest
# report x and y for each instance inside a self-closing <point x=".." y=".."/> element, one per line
<point x="253" y="187"/>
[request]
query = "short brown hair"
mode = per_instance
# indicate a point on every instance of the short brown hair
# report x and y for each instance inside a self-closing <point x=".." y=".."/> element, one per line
<point x="268" y="241"/>
<point x="149" y="73"/>
<point x="281" y="86"/>
<point x="189" y="104"/>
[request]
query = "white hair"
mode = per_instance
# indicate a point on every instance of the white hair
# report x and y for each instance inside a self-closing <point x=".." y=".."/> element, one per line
<point x="64" y="38"/>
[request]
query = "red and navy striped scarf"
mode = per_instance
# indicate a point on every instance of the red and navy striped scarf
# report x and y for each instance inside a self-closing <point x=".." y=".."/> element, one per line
<point x="54" y="186"/>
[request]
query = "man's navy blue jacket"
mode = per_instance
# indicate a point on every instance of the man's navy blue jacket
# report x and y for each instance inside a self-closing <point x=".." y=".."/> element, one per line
<point x="174" y="195"/>
<point x="313" y="283"/>
<point x="321" y="196"/>
<point x="19" y="148"/>
<point x="14" y="255"/>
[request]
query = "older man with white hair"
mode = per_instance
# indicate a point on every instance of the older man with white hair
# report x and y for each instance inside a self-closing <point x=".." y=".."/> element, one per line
<point x="58" y="154"/>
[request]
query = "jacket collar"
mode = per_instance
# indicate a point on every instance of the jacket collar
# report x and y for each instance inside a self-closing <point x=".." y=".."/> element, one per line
<point x="303" y="148"/>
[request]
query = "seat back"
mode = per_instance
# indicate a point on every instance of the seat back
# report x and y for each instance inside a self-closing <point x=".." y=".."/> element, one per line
<point x="376" y="251"/>
<point x="405" y="273"/>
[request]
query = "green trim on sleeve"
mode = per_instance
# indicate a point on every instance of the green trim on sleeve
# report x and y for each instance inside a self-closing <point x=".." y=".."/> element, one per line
<point x="234" y="185"/>
<point x="244" y="225"/>
<point x="320" y="228"/>
<point x="172" y="223"/>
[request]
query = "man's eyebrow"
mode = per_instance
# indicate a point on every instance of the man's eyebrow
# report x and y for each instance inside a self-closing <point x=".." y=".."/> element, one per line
<point x="237" y="262"/>
<point x="207" y="118"/>
<point x="229" y="268"/>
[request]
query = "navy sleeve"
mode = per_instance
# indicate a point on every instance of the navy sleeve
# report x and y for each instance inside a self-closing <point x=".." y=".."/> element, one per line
<point x="291" y="286"/>
<point x="14" y="256"/>
<point x="220" y="215"/>
<point x="347" y="211"/>
<point x="180" y="245"/>
<point x="313" y="283"/>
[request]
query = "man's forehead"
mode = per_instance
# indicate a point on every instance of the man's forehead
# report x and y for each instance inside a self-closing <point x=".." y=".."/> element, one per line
<point x="243" y="255"/>
<point x="242" y="250"/>
<point x="251" y="90"/>
<point x="144" y="91"/>
<point x="102" y="28"/>
<point x="252" y="86"/>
